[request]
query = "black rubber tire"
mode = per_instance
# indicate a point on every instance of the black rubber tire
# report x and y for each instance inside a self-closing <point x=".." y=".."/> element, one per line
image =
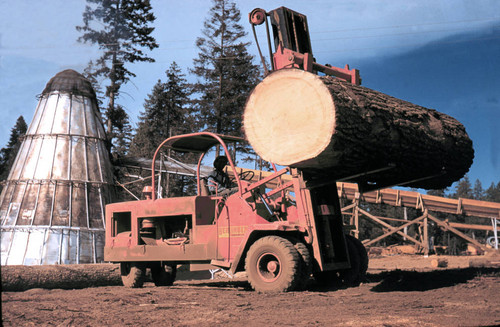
<point x="273" y="265"/>
<point x="352" y="276"/>
<point x="305" y="264"/>
<point x="163" y="274"/>
<point x="133" y="274"/>
<point x="347" y="277"/>
<point x="363" y="257"/>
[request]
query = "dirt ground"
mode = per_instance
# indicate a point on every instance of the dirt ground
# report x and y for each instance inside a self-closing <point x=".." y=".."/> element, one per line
<point x="399" y="291"/>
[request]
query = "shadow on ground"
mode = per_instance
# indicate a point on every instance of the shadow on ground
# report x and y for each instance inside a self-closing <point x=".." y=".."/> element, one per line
<point x="391" y="281"/>
<point x="216" y="283"/>
<point x="410" y="281"/>
<point x="21" y="278"/>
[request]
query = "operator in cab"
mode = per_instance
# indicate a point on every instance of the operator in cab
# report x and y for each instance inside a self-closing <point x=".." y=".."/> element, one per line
<point x="218" y="180"/>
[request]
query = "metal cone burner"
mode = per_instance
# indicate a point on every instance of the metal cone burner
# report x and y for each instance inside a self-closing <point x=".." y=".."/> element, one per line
<point x="52" y="204"/>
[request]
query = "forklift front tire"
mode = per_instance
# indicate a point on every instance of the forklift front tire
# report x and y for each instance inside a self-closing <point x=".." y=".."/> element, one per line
<point x="305" y="263"/>
<point x="273" y="265"/>
<point x="132" y="274"/>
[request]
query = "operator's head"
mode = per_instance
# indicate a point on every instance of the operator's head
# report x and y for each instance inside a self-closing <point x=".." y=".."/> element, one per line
<point x="220" y="162"/>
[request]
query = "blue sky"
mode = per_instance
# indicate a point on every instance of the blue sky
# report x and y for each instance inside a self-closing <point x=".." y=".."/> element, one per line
<point x="442" y="54"/>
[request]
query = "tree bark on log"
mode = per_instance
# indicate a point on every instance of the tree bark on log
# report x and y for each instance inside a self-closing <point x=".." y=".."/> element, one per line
<point x="21" y="278"/>
<point x="332" y="128"/>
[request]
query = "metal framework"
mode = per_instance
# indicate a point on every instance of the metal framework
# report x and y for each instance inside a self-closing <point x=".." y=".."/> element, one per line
<point x="139" y="171"/>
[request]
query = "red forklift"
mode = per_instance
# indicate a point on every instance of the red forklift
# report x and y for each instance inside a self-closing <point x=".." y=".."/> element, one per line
<point x="283" y="229"/>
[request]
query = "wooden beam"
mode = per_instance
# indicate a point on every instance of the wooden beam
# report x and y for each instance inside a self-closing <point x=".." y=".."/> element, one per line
<point x="426" y="232"/>
<point x="447" y="226"/>
<point x="348" y="207"/>
<point x="392" y="229"/>
<point x="471" y="226"/>
<point x="410" y="199"/>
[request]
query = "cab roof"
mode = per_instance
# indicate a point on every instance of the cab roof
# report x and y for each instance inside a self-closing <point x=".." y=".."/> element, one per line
<point x="198" y="142"/>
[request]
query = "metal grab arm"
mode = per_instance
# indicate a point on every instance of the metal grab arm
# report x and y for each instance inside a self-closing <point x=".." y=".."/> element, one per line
<point x="293" y="45"/>
<point x="265" y="203"/>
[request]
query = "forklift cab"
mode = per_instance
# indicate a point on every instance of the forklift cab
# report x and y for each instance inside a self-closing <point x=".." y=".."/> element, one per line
<point x="200" y="143"/>
<point x="178" y="229"/>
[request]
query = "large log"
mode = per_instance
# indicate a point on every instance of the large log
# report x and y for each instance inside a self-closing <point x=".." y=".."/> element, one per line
<point x="326" y="126"/>
<point x="21" y="278"/>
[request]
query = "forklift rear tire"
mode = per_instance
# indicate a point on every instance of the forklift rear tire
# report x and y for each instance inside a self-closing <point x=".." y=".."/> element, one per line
<point x="273" y="265"/>
<point x="163" y="274"/>
<point x="363" y="256"/>
<point x="347" y="277"/>
<point x="132" y="274"/>
<point x="352" y="276"/>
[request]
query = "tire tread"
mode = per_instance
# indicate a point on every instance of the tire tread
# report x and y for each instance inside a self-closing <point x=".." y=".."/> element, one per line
<point x="291" y="277"/>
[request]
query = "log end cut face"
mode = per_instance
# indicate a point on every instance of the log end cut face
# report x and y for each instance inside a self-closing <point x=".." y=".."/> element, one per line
<point x="289" y="117"/>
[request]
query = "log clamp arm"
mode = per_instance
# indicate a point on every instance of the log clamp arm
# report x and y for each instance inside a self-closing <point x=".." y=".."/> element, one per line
<point x="293" y="45"/>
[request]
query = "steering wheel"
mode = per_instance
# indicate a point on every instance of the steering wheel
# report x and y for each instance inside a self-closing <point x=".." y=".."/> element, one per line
<point x="246" y="175"/>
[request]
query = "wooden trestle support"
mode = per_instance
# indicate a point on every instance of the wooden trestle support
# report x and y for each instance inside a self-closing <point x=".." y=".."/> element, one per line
<point x="426" y="203"/>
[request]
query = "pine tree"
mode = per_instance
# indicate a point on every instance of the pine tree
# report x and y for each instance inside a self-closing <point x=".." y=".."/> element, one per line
<point x="123" y="32"/>
<point x="463" y="189"/>
<point x="150" y="127"/>
<point x="441" y="192"/>
<point x="226" y="73"/>
<point x="178" y="91"/>
<point x="121" y="133"/>
<point x="166" y="113"/>
<point x="9" y="152"/>
<point x="477" y="191"/>
<point x="91" y="72"/>
<point x="492" y="193"/>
